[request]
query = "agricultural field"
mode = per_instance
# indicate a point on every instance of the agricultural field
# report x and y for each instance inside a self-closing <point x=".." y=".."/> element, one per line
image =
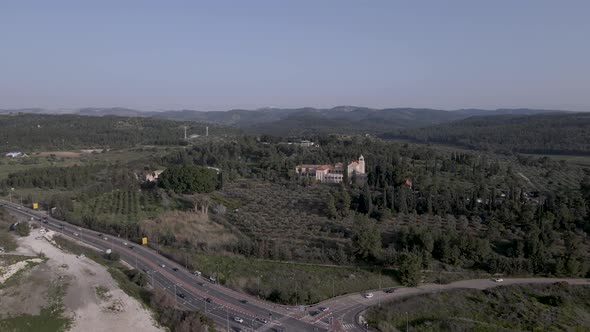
<point x="71" y="158"/>
<point x="565" y="175"/>
<point x="291" y="219"/>
<point x="539" y="307"/>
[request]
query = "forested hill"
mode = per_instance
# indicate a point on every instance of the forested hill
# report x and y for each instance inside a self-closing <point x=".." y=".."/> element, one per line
<point x="563" y="133"/>
<point x="305" y="120"/>
<point x="61" y="132"/>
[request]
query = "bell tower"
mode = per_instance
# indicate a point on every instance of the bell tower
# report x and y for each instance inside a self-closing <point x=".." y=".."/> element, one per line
<point x="361" y="164"/>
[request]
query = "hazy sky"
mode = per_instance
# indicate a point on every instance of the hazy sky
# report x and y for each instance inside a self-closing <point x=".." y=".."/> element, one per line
<point x="218" y="55"/>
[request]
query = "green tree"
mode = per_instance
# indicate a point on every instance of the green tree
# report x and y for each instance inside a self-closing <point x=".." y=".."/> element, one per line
<point x="188" y="179"/>
<point x="331" y="207"/>
<point x="409" y="265"/>
<point x="366" y="241"/>
<point x="365" y="201"/>
<point x="23" y="229"/>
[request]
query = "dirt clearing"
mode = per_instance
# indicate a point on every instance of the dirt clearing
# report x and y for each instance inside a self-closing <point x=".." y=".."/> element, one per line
<point x="92" y="298"/>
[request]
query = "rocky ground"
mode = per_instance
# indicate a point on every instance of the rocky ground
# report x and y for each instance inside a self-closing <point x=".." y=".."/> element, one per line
<point x="91" y="298"/>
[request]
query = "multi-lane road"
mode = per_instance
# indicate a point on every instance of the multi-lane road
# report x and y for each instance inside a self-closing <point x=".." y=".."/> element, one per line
<point x="236" y="311"/>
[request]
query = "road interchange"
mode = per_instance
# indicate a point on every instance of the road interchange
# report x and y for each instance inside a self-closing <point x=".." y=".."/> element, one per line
<point x="226" y="306"/>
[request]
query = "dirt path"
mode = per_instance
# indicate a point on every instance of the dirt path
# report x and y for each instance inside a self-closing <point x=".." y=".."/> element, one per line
<point x="526" y="179"/>
<point x="93" y="298"/>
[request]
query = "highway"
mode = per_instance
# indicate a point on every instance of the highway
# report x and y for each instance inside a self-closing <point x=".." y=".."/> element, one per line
<point x="224" y="305"/>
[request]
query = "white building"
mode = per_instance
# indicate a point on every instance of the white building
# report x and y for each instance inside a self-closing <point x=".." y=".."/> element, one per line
<point x="332" y="173"/>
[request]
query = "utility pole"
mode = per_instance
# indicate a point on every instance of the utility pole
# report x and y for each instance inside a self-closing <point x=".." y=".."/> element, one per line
<point x="175" y="297"/>
<point x="258" y="294"/>
<point x="407" y="322"/>
<point x="379" y="295"/>
<point x="333" y="293"/>
<point x="227" y="318"/>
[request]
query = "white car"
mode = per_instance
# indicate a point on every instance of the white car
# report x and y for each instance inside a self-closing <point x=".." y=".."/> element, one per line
<point x="125" y="243"/>
<point x="197" y="273"/>
<point x="76" y="234"/>
<point x="498" y="279"/>
<point x="238" y="319"/>
<point x="163" y="265"/>
<point x="368" y="295"/>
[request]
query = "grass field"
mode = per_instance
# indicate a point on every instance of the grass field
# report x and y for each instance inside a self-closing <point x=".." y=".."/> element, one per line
<point x="551" y="307"/>
<point x="71" y="158"/>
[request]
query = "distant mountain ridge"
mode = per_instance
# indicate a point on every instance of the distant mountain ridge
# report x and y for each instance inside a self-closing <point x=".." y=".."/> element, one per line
<point x="547" y="133"/>
<point x="305" y="120"/>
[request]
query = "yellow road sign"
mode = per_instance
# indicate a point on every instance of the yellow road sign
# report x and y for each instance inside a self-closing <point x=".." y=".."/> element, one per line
<point x="144" y="241"/>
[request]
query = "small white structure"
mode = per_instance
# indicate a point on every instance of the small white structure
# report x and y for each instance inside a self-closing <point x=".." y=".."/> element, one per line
<point x="153" y="176"/>
<point x="15" y="154"/>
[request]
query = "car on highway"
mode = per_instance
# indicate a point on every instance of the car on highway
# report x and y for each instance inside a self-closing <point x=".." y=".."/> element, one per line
<point x="76" y="234"/>
<point x="197" y="273"/>
<point x="212" y="279"/>
<point x="322" y="309"/>
<point x="99" y="235"/>
<point x="262" y="320"/>
<point x="389" y="290"/>
<point x="202" y="284"/>
<point x="163" y="265"/>
<point x="238" y="319"/>
<point x="131" y="247"/>
<point x="105" y="238"/>
<point x="181" y="295"/>
<point x="125" y="243"/>
<point x="175" y="269"/>
<point x="368" y="295"/>
<point x="244" y="301"/>
<point x="208" y="300"/>
<point x="497" y="279"/>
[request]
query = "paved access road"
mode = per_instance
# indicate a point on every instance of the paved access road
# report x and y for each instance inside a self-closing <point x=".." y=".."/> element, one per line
<point x="340" y="313"/>
<point x="346" y="309"/>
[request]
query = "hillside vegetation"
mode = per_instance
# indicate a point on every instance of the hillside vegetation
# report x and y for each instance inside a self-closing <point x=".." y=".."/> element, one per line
<point x="307" y="120"/>
<point x="39" y="132"/>
<point x="564" y="133"/>
<point x="556" y="307"/>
